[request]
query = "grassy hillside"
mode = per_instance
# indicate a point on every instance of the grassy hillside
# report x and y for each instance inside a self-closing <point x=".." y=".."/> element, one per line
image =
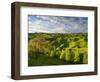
<point x="57" y="49"/>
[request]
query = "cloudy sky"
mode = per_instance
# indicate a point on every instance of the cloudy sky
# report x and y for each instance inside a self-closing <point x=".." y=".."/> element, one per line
<point x="57" y="24"/>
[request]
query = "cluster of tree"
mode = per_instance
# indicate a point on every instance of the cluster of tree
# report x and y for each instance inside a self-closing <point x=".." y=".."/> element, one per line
<point x="71" y="48"/>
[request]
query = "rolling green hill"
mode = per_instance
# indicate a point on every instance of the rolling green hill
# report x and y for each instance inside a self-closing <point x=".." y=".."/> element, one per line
<point x="57" y="49"/>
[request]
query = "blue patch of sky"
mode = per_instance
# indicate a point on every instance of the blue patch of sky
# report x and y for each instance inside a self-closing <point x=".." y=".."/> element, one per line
<point x="57" y="24"/>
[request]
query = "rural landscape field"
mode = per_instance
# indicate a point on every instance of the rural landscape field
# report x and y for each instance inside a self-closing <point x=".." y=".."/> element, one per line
<point x="59" y="47"/>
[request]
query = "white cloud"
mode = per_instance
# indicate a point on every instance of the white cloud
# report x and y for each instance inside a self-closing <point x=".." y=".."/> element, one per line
<point x="57" y="24"/>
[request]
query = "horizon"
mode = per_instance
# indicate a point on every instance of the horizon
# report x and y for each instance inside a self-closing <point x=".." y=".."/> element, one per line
<point x="57" y="33"/>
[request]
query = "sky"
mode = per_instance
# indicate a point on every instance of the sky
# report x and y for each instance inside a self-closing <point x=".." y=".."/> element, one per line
<point x="57" y="24"/>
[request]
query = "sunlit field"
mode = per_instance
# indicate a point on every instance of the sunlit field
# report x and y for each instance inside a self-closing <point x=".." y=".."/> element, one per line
<point x="57" y="49"/>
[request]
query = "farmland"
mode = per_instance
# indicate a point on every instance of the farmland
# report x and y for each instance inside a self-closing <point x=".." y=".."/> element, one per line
<point x="57" y="49"/>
